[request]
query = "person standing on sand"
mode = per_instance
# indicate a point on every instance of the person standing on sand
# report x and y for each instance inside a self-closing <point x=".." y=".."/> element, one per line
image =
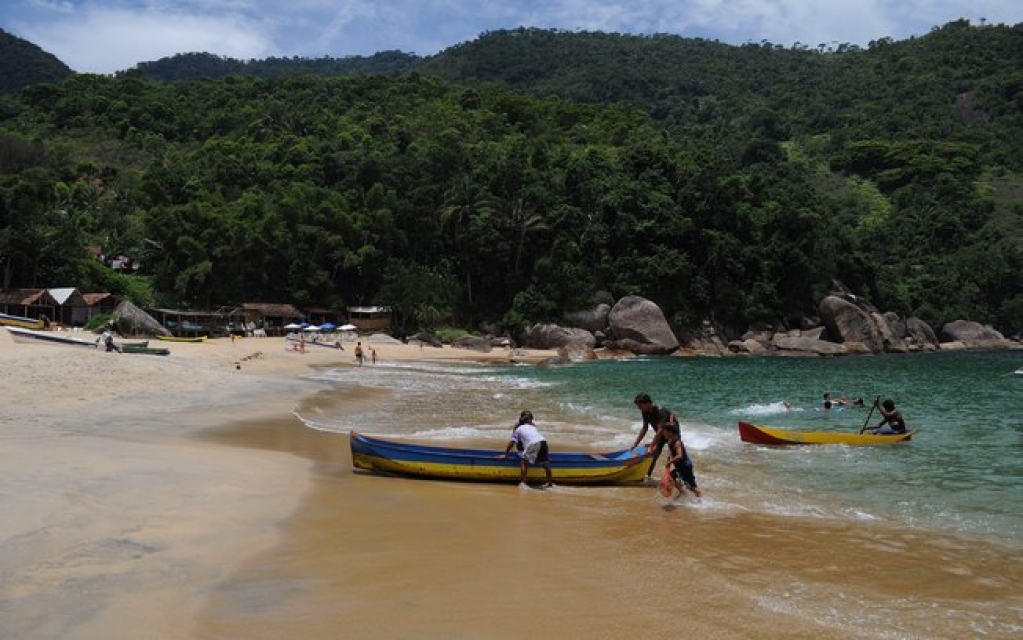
<point x="664" y="424"/>
<point x="358" y="353"/>
<point x="373" y="354"/>
<point x="528" y="439"/>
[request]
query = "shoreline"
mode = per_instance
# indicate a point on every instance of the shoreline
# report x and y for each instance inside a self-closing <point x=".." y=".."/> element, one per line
<point x="121" y="512"/>
<point x="183" y="496"/>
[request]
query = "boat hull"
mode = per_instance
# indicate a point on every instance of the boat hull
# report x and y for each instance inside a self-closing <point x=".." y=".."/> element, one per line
<point x="756" y="434"/>
<point x="21" y="322"/>
<point x="182" y="338"/>
<point x="27" y="335"/>
<point x="153" y="351"/>
<point x="484" y="465"/>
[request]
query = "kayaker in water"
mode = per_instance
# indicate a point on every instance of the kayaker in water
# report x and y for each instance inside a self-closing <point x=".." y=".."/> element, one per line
<point x="890" y="417"/>
<point x="528" y="439"/>
<point x="682" y="468"/>
<point x="660" y="419"/>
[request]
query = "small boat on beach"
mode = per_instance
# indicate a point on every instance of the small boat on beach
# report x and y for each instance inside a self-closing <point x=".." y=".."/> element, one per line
<point x="336" y="344"/>
<point x="182" y="338"/>
<point x="484" y="465"/>
<point x="58" y="337"/>
<point x="756" y="434"/>
<point x="144" y="349"/>
<point x="8" y="320"/>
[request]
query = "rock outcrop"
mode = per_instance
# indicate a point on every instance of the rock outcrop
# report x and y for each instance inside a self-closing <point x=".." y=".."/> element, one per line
<point x="552" y="336"/>
<point x="475" y="343"/>
<point x="846" y="321"/>
<point x="974" y="335"/>
<point x="638" y="325"/>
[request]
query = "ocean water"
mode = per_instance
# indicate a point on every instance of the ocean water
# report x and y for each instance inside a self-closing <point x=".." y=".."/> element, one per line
<point x="962" y="472"/>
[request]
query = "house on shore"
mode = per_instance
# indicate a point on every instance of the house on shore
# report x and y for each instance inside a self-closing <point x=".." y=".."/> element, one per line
<point x="270" y="317"/>
<point x="371" y="318"/>
<point x="192" y="324"/>
<point x="29" y="303"/>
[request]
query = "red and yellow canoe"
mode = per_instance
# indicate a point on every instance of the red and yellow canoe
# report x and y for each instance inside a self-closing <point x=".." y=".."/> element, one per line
<point x="755" y="434"/>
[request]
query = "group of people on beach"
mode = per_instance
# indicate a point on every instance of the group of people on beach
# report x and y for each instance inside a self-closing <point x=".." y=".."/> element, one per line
<point x="678" y="470"/>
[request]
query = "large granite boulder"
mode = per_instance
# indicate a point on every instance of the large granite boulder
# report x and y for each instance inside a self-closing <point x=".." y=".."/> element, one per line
<point x="919" y="335"/>
<point x="638" y="325"/>
<point x="847" y="322"/>
<point x="809" y="345"/>
<point x="974" y="335"/>
<point x="552" y="336"/>
<point x="474" y="343"/>
<point x="424" y="338"/>
<point x="129" y="320"/>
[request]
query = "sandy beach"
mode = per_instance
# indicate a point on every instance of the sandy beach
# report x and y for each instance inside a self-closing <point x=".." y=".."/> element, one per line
<point x="181" y="497"/>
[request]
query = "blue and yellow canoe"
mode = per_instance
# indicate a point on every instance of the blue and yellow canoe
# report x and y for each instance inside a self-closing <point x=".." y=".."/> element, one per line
<point x="484" y="465"/>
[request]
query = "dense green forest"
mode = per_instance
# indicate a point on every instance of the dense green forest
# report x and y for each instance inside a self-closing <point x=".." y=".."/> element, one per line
<point x="512" y="178"/>
<point x="23" y="63"/>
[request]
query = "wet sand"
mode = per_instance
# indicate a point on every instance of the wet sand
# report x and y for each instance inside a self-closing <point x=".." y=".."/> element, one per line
<point x="369" y="556"/>
<point x="180" y="497"/>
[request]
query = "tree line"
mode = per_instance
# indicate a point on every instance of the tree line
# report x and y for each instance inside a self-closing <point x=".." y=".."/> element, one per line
<point x="515" y="177"/>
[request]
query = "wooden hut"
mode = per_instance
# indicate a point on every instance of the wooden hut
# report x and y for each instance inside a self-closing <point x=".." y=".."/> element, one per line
<point x="370" y="318"/>
<point x="29" y="303"/>
<point x="192" y="324"/>
<point x="270" y="317"/>
<point x="71" y="309"/>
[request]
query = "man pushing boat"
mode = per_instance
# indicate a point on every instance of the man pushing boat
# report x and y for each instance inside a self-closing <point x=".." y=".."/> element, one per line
<point x="664" y="424"/>
<point x="528" y="439"/>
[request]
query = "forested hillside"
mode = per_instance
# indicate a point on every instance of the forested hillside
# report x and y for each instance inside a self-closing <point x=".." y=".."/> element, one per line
<point x="513" y="177"/>
<point x="206" y="66"/>
<point x="23" y="63"/>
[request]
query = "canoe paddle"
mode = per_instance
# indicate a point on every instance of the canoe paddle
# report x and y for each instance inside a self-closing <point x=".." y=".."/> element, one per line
<point x="872" y="407"/>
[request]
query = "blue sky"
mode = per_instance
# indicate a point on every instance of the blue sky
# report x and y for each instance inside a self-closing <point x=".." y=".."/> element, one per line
<point x="104" y="36"/>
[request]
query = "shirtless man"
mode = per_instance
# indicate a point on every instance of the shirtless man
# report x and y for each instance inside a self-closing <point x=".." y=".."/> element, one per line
<point x="664" y="424"/>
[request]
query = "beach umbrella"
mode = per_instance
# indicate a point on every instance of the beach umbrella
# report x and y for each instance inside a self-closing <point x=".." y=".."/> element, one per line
<point x="328" y="326"/>
<point x="292" y="325"/>
<point x="310" y="327"/>
<point x="348" y="327"/>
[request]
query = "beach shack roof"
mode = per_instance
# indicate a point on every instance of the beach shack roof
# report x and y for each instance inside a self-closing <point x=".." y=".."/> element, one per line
<point x="271" y="310"/>
<point x="100" y="299"/>
<point x="67" y="296"/>
<point x="30" y="303"/>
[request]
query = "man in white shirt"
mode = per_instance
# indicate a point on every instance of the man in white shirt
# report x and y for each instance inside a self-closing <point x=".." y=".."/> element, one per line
<point x="532" y="444"/>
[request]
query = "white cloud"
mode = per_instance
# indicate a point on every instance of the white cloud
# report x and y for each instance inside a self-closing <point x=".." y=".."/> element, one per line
<point x="107" y="41"/>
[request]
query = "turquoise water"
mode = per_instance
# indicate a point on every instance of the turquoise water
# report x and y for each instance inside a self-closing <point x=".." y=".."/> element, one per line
<point x="963" y="471"/>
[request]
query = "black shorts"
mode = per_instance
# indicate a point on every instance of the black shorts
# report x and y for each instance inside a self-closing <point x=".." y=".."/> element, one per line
<point x="542" y="456"/>
<point x="684" y="471"/>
